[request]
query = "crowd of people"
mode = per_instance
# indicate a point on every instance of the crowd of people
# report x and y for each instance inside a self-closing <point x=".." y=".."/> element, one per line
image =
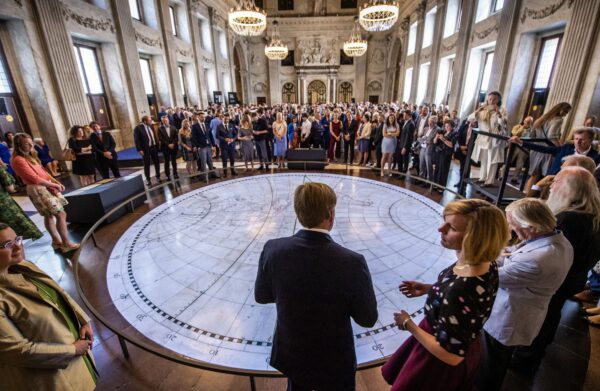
<point x="497" y="307"/>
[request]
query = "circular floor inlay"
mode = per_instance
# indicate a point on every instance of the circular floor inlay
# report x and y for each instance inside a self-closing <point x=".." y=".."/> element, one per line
<point x="183" y="275"/>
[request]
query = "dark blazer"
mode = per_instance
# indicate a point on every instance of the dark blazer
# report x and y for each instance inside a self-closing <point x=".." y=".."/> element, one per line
<point x="107" y="144"/>
<point x="407" y="135"/>
<point x="141" y="139"/>
<point x="377" y="134"/>
<point x="317" y="286"/>
<point x="172" y="138"/>
<point x="202" y="139"/>
<point x="559" y="154"/>
<point x="229" y="132"/>
<point x="350" y="129"/>
<point x="260" y="125"/>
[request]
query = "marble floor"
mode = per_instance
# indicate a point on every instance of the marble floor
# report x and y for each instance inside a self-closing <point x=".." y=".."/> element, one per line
<point x="576" y="344"/>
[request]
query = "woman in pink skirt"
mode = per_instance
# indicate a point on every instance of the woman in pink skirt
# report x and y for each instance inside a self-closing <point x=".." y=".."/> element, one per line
<point x="443" y="351"/>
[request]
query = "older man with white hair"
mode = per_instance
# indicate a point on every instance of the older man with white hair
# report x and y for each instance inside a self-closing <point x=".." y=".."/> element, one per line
<point x="529" y="274"/>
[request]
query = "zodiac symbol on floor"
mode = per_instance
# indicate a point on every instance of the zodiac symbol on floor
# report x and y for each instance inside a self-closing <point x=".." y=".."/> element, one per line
<point x="141" y="317"/>
<point x="377" y="346"/>
<point x="171" y="337"/>
<point x="213" y="352"/>
<point x="123" y="296"/>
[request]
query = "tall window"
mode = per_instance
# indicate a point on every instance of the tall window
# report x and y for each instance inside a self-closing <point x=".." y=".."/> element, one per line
<point x="485" y="8"/>
<point x="182" y="84"/>
<point x="451" y="22"/>
<point x="135" y="9"/>
<point x="173" y="20"/>
<point x="485" y="76"/>
<point x="429" y="27"/>
<point x="412" y="38"/>
<point x="12" y="118"/>
<point x="407" y="84"/>
<point x="148" y="86"/>
<point x="538" y="94"/>
<point x="223" y="44"/>
<point x="89" y="70"/>
<point x="444" y="80"/>
<point x="205" y="37"/>
<point x="285" y="5"/>
<point x="422" y="85"/>
<point x="226" y="82"/>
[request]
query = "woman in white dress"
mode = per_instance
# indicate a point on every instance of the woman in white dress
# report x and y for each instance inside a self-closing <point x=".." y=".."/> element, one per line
<point x="489" y="151"/>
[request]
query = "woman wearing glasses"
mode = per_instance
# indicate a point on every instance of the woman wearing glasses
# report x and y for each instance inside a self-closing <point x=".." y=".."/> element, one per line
<point x="43" y="190"/>
<point x="45" y="336"/>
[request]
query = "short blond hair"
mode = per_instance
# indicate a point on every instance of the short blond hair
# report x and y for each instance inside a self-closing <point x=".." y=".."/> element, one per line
<point x="532" y="213"/>
<point x="580" y="161"/>
<point x="313" y="203"/>
<point x="487" y="231"/>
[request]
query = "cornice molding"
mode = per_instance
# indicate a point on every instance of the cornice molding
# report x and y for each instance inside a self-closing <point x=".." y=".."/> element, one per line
<point x="485" y="33"/>
<point x="154" y="42"/>
<point x="544" y="12"/>
<point x="185" y="52"/>
<point x="100" y="24"/>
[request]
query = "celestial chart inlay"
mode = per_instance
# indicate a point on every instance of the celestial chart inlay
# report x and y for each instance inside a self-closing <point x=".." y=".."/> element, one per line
<point x="183" y="274"/>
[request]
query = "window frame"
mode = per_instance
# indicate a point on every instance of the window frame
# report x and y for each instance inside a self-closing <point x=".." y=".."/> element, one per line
<point x="77" y="45"/>
<point x="140" y="10"/>
<point x="173" y="17"/>
<point x="412" y="42"/>
<point x="407" y="82"/>
<point x="431" y="18"/>
<point x="14" y="94"/>
<point x="493" y="6"/>
<point x="478" y="91"/>
<point x="182" y="82"/>
<point x="280" y="2"/>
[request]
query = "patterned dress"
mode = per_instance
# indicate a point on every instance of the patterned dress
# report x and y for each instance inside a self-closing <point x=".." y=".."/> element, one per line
<point x="455" y="312"/>
<point x="11" y="213"/>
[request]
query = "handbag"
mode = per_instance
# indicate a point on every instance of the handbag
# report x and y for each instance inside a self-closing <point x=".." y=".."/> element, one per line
<point x="68" y="154"/>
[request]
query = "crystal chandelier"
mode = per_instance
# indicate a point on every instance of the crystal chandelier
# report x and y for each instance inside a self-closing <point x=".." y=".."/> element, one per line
<point x="379" y="15"/>
<point x="355" y="46"/>
<point x="247" y="19"/>
<point x="276" y="50"/>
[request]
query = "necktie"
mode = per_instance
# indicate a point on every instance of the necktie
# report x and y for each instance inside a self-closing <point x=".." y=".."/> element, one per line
<point x="150" y="136"/>
<point x="99" y="136"/>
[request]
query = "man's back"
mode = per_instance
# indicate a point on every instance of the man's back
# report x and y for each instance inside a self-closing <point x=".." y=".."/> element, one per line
<point x="317" y="286"/>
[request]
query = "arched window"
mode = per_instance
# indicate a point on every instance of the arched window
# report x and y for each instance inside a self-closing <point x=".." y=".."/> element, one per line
<point x="316" y="92"/>
<point x="288" y="93"/>
<point x="345" y="92"/>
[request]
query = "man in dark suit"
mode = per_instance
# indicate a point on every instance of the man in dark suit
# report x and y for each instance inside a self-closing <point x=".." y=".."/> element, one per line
<point x="582" y="145"/>
<point x="227" y="134"/>
<point x="169" y="141"/>
<point x="261" y="133"/>
<point x="203" y="140"/>
<point x="349" y="137"/>
<point x="407" y="135"/>
<point x="377" y="135"/>
<point x="318" y="286"/>
<point x="147" y="146"/>
<point x="103" y="145"/>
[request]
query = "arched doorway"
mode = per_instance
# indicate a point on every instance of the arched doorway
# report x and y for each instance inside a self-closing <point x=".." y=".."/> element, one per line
<point x="316" y="92"/>
<point x="345" y="92"/>
<point x="288" y="93"/>
<point x="239" y="86"/>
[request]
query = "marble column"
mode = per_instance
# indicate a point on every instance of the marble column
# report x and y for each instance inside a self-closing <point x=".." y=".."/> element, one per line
<point x="438" y="33"/>
<point x="59" y="51"/>
<point x="462" y="53"/>
<point x="404" y="28"/>
<point x="198" y="61"/>
<point x="131" y="64"/>
<point x="576" y="55"/>
<point x="170" y="50"/>
<point x="216" y="48"/>
<point x="504" y="43"/>
<point x="334" y="92"/>
<point x="420" y="11"/>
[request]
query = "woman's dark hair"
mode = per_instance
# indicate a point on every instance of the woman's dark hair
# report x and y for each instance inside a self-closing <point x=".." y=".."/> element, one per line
<point x="73" y="130"/>
<point x="3" y="226"/>
<point x="496" y="93"/>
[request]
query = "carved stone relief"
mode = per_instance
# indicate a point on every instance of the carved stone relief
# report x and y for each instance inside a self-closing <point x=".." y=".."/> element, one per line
<point x="185" y="53"/>
<point x="374" y="87"/>
<point x="260" y="88"/>
<point x="544" y="12"/>
<point x="154" y="42"/>
<point x="100" y="24"/>
<point x="312" y="51"/>
<point x="483" y="34"/>
<point x="377" y="57"/>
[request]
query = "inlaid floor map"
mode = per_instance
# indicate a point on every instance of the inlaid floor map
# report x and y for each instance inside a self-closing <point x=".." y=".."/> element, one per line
<point x="183" y="275"/>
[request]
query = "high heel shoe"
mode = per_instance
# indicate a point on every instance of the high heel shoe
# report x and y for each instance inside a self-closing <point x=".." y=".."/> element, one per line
<point x="57" y="245"/>
<point x="72" y="247"/>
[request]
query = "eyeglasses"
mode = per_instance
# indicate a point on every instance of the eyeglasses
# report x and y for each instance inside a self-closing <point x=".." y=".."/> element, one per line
<point x="11" y="243"/>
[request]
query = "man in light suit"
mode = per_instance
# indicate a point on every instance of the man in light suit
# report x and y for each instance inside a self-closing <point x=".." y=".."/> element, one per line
<point x="169" y="141"/>
<point x="147" y="146"/>
<point x="318" y="286"/>
<point x="529" y="277"/>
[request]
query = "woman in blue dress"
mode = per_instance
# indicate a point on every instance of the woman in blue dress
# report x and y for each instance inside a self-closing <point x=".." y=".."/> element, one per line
<point x="280" y="135"/>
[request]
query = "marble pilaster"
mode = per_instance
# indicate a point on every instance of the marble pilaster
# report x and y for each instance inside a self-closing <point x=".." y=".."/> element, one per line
<point x="576" y="55"/>
<point x="438" y="33"/>
<point x="502" y="52"/>
<point x="462" y="52"/>
<point x="170" y="53"/>
<point x="417" y="55"/>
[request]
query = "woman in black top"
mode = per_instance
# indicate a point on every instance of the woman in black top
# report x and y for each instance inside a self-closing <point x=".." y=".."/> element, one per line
<point x="442" y="153"/>
<point x="84" y="164"/>
<point x="443" y="351"/>
<point x="575" y="200"/>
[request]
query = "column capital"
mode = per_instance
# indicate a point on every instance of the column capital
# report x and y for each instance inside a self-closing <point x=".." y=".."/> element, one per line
<point x="420" y="10"/>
